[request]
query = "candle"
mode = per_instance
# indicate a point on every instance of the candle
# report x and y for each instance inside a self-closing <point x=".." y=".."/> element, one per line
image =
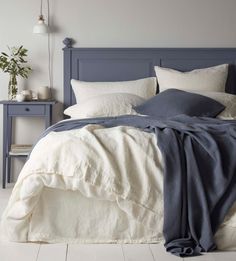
<point x="44" y="93"/>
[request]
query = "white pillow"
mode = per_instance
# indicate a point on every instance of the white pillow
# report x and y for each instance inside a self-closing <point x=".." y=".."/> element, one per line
<point x="145" y="88"/>
<point x="106" y="105"/>
<point x="207" y="79"/>
<point x="228" y="100"/>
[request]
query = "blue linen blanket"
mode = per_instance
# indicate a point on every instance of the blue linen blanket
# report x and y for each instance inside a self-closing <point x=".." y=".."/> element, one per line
<point x="199" y="176"/>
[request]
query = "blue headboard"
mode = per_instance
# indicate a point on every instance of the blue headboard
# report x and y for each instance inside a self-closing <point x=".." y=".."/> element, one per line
<point x="121" y="64"/>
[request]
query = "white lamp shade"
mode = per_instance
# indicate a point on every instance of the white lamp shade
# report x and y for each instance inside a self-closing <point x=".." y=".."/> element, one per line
<point x="40" y="28"/>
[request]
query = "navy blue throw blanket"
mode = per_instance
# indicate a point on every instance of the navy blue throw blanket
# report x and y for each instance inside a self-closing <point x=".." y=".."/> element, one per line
<point x="199" y="178"/>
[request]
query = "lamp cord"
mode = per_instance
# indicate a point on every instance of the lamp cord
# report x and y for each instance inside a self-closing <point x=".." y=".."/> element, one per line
<point x="49" y="48"/>
<point x="48" y="41"/>
<point x="41" y="7"/>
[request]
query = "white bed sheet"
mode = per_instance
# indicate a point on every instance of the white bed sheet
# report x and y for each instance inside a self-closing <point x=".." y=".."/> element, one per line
<point x="89" y="186"/>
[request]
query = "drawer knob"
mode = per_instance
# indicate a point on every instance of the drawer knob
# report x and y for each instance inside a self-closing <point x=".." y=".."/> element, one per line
<point x="27" y="109"/>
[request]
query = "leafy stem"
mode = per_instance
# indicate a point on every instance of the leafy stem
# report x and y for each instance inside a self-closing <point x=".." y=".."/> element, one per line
<point x="13" y="63"/>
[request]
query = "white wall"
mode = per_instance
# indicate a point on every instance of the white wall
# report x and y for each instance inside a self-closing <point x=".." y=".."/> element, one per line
<point x="107" y="23"/>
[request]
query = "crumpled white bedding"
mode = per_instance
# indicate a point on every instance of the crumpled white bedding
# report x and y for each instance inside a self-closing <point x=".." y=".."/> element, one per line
<point x="93" y="185"/>
<point x="91" y="221"/>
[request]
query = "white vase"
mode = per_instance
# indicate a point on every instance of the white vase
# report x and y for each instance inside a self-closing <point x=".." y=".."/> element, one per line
<point x="20" y="97"/>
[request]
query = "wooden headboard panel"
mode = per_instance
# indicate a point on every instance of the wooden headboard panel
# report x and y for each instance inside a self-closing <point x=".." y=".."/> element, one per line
<point x="121" y="64"/>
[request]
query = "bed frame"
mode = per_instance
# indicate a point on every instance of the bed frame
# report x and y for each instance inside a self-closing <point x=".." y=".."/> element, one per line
<point x="122" y="64"/>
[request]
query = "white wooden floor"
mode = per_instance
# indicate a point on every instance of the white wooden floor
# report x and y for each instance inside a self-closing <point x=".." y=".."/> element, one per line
<point x="95" y="252"/>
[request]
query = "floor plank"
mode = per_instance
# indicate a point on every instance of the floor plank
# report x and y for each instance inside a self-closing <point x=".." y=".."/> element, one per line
<point x="95" y="252"/>
<point x="3" y="204"/>
<point x="5" y="193"/>
<point x="224" y="256"/>
<point x="18" y="252"/>
<point x="137" y="252"/>
<point x="49" y="252"/>
<point x="159" y="253"/>
<point x="4" y="197"/>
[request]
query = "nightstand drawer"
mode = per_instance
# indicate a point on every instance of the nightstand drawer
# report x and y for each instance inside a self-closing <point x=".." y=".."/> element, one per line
<point x="24" y="110"/>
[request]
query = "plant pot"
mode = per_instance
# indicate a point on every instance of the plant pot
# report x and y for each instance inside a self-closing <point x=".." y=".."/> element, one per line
<point x="12" y="87"/>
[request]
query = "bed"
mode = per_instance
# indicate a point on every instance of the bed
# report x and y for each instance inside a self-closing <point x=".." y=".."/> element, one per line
<point x="65" y="199"/>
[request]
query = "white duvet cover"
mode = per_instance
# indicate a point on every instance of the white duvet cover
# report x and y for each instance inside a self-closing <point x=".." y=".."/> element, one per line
<point x="94" y="185"/>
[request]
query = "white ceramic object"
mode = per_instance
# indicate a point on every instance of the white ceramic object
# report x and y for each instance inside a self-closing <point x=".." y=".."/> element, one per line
<point x="27" y="94"/>
<point x="44" y="93"/>
<point x="20" y="97"/>
<point x="34" y="95"/>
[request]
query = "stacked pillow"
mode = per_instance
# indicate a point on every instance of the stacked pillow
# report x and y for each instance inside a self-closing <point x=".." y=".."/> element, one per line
<point x="113" y="104"/>
<point x="100" y="99"/>
<point x="207" y="82"/>
<point x="145" y="88"/>
<point x="228" y="100"/>
<point x="199" y="92"/>
<point x="174" y="102"/>
<point x="208" y="79"/>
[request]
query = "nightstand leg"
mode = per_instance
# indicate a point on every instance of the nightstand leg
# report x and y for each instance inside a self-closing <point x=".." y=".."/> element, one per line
<point x="48" y="118"/>
<point x="8" y="169"/>
<point x="9" y="138"/>
<point x="4" y="155"/>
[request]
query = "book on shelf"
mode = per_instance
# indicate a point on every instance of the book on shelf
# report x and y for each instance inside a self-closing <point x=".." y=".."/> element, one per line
<point x="20" y="149"/>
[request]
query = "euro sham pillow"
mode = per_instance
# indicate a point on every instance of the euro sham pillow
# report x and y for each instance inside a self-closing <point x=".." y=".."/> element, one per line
<point x="228" y="100"/>
<point x="113" y="104"/>
<point x="175" y="102"/>
<point x="207" y="79"/>
<point x="145" y="88"/>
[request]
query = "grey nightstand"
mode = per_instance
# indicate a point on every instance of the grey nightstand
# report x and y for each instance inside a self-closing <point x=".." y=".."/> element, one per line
<point x="20" y="109"/>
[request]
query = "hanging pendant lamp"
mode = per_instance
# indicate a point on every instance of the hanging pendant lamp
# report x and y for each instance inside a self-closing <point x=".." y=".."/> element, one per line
<point x="41" y="27"/>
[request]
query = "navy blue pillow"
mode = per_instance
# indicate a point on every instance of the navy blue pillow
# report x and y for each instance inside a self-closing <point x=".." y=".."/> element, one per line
<point x="174" y="102"/>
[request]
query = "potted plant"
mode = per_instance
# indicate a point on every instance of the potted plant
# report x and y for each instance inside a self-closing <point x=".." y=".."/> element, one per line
<point x="14" y="64"/>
